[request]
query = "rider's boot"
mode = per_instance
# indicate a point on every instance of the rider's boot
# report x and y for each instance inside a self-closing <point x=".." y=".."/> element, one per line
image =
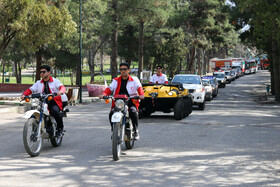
<point x="59" y="132"/>
<point x="134" y="119"/>
<point x="137" y="136"/>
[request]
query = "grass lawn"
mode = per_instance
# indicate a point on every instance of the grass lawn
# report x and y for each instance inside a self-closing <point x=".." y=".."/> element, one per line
<point x="65" y="79"/>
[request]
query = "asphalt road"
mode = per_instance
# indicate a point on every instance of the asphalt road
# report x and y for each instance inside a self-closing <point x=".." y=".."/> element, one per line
<point x="233" y="142"/>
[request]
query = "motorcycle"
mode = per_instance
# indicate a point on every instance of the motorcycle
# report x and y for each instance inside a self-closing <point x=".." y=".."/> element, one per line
<point x="40" y="124"/>
<point x="123" y="131"/>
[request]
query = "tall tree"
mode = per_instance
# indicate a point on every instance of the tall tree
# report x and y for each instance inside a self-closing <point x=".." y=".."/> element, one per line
<point x="34" y="24"/>
<point x="263" y="18"/>
<point x="145" y="13"/>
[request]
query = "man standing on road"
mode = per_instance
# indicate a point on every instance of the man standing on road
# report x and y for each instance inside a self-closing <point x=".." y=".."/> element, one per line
<point x="130" y="86"/>
<point x="48" y="85"/>
<point x="159" y="77"/>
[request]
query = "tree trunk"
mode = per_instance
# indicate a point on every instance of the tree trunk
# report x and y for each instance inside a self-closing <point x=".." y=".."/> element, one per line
<point x="141" y="48"/>
<point x="78" y="70"/>
<point x="275" y="56"/>
<point x="17" y="72"/>
<point x="3" y="71"/>
<point x="114" y="40"/>
<point x="270" y="59"/>
<point x="130" y="31"/>
<point x="199" y="61"/>
<point x="91" y="62"/>
<point x="101" y="59"/>
<point x="191" y="62"/>
<point x="205" y="59"/>
<point x="38" y="55"/>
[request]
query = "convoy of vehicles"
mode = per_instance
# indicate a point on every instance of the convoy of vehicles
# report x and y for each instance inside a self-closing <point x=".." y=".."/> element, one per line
<point x="163" y="97"/>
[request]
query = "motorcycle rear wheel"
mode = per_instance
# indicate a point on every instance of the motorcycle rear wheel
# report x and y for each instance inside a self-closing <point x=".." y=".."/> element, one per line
<point x="30" y="130"/>
<point x="56" y="141"/>
<point x="116" y="141"/>
<point x="130" y="140"/>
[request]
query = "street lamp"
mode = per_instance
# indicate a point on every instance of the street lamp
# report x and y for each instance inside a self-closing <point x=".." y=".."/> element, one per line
<point x="81" y="56"/>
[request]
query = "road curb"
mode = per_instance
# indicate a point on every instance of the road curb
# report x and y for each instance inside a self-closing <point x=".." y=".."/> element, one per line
<point x="9" y="102"/>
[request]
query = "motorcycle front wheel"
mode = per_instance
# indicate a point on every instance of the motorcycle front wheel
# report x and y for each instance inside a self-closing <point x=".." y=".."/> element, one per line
<point x="32" y="144"/>
<point x="116" y="141"/>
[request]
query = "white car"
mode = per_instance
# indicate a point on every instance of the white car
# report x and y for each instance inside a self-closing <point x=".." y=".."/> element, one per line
<point x="208" y="89"/>
<point x="195" y="86"/>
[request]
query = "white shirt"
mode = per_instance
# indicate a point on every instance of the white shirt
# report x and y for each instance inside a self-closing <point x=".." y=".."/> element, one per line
<point x="161" y="79"/>
<point x="54" y="85"/>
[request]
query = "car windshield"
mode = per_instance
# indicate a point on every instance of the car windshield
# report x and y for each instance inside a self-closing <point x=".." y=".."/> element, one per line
<point x="205" y="81"/>
<point x="227" y="73"/>
<point x="187" y="79"/>
<point x="212" y="81"/>
<point x="219" y="75"/>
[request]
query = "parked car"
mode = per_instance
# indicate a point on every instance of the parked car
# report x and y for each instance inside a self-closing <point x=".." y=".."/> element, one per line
<point x="109" y="71"/>
<point x="221" y="78"/>
<point x="208" y="88"/>
<point x="229" y="77"/>
<point x="233" y="75"/>
<point x="194" y="84"/>
<point x="214" y="84"/>
<point x="134" y="70"/>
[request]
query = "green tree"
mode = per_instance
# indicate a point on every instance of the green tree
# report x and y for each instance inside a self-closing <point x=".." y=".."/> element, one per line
<point x="263" y="18"/>
<point x="34" y="23"/>
<point x="146" y="13"/>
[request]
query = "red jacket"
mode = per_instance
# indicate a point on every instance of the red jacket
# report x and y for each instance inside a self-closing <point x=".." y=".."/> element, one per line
<point x="133" y="87"/>
<point x="54" y="86"/>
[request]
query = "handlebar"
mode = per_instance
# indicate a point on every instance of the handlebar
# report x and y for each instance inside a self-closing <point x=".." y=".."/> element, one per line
<point x="39" y="95"/>
<point x="124" y="97"/>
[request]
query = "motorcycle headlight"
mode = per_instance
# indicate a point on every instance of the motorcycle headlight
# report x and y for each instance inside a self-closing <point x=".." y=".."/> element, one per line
<point x="35" y="102"/>
<point x="120" y="104"/>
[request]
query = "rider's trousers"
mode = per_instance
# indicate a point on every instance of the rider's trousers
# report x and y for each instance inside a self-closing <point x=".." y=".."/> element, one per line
<point x="55" y="112"/>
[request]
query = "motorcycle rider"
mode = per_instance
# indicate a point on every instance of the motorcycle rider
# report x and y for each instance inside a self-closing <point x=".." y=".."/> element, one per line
<point x="48" y="85"/>
<point x="159" y="77"/>
<point x="130" y="86"/>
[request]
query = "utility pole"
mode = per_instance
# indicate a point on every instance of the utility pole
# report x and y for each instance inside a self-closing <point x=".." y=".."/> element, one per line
<point x="81" y="55"/>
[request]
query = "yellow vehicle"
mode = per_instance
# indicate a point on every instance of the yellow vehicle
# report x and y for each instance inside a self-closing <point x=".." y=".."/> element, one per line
<point x="166" y="98"/>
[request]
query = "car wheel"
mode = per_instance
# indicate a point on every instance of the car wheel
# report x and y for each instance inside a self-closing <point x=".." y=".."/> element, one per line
<point x="201" y="106"/>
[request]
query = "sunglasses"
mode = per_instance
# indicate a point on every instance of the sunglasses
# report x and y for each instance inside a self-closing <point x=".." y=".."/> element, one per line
<point x="43" y="72"/>
<point x="123" y="69"/>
